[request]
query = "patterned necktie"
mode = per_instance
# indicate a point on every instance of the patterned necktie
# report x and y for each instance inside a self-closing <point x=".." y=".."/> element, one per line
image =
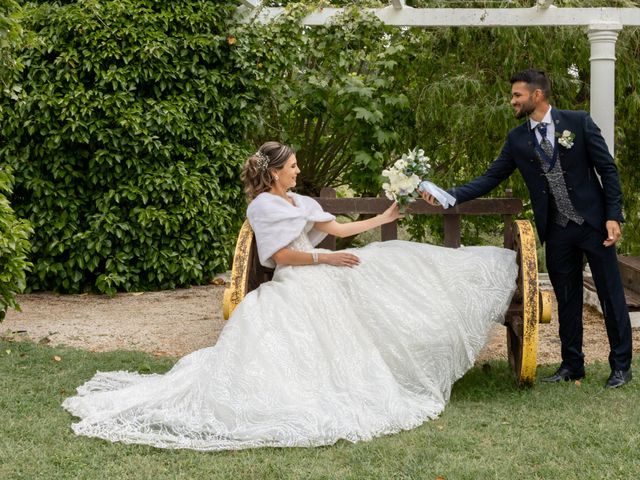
<point x="545" y="144"/>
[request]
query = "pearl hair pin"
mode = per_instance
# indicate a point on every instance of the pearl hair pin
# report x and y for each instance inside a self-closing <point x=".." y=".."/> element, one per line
<point x="263" y="160"/>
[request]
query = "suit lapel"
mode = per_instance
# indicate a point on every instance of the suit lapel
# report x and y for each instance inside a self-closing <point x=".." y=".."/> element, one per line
<point x="532" y="142"/>
<point x="560" y="125"/>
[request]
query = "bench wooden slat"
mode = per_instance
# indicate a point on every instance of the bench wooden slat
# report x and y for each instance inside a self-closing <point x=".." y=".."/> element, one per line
<point x="480" y="206"/>
<point x="630" y="272"/>
<point x="632" y="262"/>
<point x="632" y="298"/>
<point x="507" y="207"/>
<point x="452" y="231"/>
<point x="389" y="231"/>
<point x="508" y="230"/>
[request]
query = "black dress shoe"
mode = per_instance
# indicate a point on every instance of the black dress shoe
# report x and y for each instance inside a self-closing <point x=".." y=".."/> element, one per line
<point x="618" y="378"/>
<point x="564" y="374"/>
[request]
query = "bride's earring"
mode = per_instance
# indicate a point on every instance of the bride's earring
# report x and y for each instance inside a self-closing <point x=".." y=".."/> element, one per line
<point x="276" y="178"/>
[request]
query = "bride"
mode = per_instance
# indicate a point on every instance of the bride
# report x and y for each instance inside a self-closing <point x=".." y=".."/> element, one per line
<point x="339" y="345"/>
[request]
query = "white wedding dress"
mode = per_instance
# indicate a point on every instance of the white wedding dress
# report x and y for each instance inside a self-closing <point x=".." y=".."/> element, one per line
<point x="320" y="353"/>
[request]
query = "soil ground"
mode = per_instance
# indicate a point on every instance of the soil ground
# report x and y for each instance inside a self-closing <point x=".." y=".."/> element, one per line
<point x="176" y="322"/>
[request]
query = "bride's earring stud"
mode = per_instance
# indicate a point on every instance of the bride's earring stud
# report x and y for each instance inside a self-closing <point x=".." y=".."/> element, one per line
<point x="276" y="178"/>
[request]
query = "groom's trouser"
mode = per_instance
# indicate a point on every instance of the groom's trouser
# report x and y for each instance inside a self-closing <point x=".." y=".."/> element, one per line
<point x="565" y="247"/>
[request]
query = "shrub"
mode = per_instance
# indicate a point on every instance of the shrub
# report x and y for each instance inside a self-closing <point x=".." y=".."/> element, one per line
<point x="14" y="246"/>
<point x="13" y="231"/>
<point x="126" y="137"/>
<point x="11" y="35"/>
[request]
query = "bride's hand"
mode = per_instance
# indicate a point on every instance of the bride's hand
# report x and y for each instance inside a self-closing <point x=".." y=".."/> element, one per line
<point x="390" y="214"/>
<point x="340" y="259"/>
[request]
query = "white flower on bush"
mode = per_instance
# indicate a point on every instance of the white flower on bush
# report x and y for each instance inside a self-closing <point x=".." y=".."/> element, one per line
<point x="404" y="176"/>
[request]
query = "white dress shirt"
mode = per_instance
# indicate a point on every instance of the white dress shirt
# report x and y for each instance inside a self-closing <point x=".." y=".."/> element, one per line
<point x="551" y="128"/>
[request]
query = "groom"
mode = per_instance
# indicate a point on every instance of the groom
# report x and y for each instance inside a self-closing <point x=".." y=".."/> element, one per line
<point x="560" y="154"/>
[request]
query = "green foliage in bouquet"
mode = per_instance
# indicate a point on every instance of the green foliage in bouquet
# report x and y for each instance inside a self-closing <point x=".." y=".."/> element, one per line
<point x="126" y="136"/>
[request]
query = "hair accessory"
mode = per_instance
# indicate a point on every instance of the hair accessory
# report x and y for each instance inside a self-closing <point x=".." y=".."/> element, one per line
<point x="263" y="160"/>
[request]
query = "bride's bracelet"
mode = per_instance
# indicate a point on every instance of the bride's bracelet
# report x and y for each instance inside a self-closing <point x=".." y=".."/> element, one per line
<point x="314" y="257"/>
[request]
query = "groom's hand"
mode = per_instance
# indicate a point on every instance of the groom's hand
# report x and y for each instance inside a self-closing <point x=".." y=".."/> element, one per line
<point x="427" y="197"/>
<point x="613" y="233"/>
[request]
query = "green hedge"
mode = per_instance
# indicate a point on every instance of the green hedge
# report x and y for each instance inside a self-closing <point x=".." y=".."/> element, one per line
<point x="14" y="232"/>
<point x="130" y="119"/>
<point x="14" y="246"/>
<point x="126" y="137"/>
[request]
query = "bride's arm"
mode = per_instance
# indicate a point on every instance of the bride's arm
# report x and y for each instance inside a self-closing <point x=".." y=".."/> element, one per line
<point x="353" y="228"/>
<point x="287" y="256"/>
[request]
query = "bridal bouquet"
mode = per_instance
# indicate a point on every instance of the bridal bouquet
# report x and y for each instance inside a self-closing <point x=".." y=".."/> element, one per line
<point x="404" y="176"/>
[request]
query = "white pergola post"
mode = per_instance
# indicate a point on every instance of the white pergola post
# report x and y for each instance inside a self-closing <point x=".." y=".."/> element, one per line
<point x="603" y="37"/>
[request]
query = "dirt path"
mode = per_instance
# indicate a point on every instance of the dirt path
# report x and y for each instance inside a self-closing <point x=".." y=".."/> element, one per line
<point x="172" y="322"/>
<point x="177" y="322"/>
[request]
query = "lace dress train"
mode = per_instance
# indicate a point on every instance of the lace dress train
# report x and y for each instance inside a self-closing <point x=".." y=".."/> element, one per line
<point x="319" y="354"/>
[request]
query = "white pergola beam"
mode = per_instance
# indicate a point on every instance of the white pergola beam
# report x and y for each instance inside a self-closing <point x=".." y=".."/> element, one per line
<point x="478" y="17"/>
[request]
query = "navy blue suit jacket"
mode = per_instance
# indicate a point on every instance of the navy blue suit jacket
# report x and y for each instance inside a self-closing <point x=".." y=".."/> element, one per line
<point x="596" y="202"/>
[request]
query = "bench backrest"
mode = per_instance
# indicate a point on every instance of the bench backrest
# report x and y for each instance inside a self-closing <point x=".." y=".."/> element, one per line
<point x="507" y="207"/>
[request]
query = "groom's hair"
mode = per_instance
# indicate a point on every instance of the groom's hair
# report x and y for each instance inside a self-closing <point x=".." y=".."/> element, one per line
<point x="535" y="79"/>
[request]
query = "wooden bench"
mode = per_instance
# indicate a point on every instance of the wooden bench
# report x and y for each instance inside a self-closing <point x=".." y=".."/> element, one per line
<point x="630" y="273"/>
<point x="529" y="306"/>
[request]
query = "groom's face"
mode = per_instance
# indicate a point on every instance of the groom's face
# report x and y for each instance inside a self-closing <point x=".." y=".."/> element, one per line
<point x="523" y="99"/>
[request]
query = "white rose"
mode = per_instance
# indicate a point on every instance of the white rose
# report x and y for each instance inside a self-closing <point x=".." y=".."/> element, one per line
<point x="414" y="181"/>
<point x="409" y="184"/>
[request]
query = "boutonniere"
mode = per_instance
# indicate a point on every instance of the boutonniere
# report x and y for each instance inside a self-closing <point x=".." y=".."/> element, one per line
<point x="566" y="139"/>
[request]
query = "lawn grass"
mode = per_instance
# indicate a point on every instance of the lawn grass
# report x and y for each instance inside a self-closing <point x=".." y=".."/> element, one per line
<point x="489" y="430"/>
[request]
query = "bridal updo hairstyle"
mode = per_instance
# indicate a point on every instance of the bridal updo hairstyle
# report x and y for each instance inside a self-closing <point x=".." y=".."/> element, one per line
<point x="256" y="172"/>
